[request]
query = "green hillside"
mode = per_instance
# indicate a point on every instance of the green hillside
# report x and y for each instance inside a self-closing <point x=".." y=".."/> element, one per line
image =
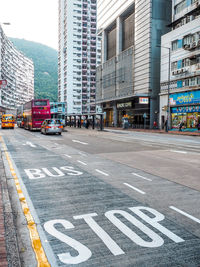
<point x="45" y="65"/>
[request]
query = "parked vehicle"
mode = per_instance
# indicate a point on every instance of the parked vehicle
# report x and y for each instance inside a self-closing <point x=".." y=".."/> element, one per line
<point x="51" y="126"/>
<point x="35" y="112"/>
<point x="8" y="121"/>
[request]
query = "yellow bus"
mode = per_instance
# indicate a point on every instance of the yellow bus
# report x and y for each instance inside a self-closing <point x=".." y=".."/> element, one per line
<point x="7" y="121"/>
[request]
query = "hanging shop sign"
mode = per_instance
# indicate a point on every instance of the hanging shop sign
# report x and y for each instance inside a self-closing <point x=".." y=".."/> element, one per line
<point x="192" y="97"/>
<point x="143" y="100"/>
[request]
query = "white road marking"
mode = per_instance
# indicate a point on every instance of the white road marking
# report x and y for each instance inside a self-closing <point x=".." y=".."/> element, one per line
<point x="56" y="144"/>
<point x="141" y="177"/>
<point x="82" y="154"/>
<point x="77" y="141"/>
<point x="102" y="172"/>
<point x="134" y="188"/>
<point x="179" y="151"/>
<point x="67" y="156"/>
<point x="29" y="144"/>
<point x="185" y="214"/>
<point x="83" y="163"/>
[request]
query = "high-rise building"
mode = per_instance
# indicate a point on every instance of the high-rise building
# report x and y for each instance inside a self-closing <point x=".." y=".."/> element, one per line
<point x="128" y="79"/>
<point x="77" y="55"/>
<point x="180" y="67"/>
<point x="16" y="75"/>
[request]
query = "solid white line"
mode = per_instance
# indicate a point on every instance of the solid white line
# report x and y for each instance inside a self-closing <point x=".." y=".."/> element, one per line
<point x="67" y="155"/>
<point x="81" y="162"/>
<point x="77" y="141"/>
<point x="102" y="172"/>
<point x="134" y="188"/>
<point x="178" y="151"/>
<point x="141" y="177"/>
<point x="185" y="214"/>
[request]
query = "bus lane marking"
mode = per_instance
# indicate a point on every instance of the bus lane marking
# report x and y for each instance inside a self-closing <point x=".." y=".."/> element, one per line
<point x="142" y="177"/>
<point x="116" y="218"/>
<point x="185" y="214"/>
<point x="31" y="225"/>
<point x="134" y="188"/>
<point x="77" y="141"/>
<point x="51" y="172"/>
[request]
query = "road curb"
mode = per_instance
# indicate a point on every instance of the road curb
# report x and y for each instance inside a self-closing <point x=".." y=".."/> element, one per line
<point x="12" y="249"/>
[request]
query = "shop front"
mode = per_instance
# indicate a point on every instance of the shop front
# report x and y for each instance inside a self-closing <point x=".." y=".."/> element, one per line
<point x="185" y="107"/>
<point x="136" y="111"/>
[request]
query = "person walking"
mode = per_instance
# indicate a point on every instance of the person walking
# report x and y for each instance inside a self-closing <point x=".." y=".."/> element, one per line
<point x="181" y="126"/>
<point x="198" y="126"/>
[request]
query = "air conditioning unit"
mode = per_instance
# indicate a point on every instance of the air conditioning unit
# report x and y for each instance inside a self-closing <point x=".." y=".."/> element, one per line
<point x="198" y="66"/>
<point x="178" y="71"/>
<point x="194" y="44"/>
<point x="186" y="46"/>
<point x="173" y="72"/>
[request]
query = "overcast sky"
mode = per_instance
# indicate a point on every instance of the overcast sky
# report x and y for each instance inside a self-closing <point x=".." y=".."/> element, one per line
<point x="33" y="20"/>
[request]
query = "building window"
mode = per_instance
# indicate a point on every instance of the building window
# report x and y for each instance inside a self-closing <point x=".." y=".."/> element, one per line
<point x="174" y="45"/>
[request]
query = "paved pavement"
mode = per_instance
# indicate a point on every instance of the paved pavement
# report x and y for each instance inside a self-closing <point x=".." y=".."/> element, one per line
<point x="188" y="133"/>
<point x="9" y="254"/>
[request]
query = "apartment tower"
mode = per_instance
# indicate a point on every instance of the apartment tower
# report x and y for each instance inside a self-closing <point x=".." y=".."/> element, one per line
<point x="77" y="55"/>
<point x="180" y="70"/>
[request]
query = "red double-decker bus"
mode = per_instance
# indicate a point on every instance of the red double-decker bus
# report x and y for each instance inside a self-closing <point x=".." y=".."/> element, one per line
<point x="35" y="112"/>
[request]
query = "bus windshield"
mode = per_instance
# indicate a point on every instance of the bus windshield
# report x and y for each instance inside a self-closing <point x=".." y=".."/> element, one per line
<point x="7" y="118"/>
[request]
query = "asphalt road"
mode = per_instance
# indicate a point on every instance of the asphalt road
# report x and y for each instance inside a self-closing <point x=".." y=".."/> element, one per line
<point x="112" y="198"/>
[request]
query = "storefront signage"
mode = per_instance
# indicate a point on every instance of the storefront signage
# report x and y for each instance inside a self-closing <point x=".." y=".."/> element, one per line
<point x="192" y="97"/>
<point x="187" y="109"/>
<point x="143" y="100"/>
<point x="124" y="105"/>
<point x="3" y="84"/>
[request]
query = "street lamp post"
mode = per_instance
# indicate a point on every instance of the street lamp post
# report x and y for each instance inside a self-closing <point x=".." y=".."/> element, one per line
<point x="168" y="89"/>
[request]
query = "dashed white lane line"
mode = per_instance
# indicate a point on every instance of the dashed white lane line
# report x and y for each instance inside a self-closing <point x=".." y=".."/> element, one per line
<point x="136" y="189"/>
<point x="83" y="163"/>
<point x="77" y="141"/>
<point x="99" y="171"/>
<point x="179" y="151"/>
<point x="185" y="214"/>
<point x="68" y="156"/>
<point x="82" y="154"/>
<point x="142" y="177"/>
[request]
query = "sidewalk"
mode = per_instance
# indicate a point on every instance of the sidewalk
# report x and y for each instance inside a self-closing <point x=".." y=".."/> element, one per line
<point x="9" y="254"/>
<point x="196" y="133"/>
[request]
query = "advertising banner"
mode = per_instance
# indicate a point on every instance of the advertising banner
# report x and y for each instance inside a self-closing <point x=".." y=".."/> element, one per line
<point x="185" y="98"/>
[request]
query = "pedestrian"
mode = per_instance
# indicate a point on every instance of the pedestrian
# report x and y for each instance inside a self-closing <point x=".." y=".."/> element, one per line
<point x="166" y="125"/>
<point x="155" y="125"/>
<point x="180" y="126"/>
<point x="198" y="126"/>
<point x="87" y="124"/>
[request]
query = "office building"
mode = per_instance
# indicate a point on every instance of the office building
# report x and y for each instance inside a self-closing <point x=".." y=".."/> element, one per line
<point x="183" y="42"/>
<point x="77" y="55"/>
<point x="128" y="79"/>
<point x="16" y="76"/>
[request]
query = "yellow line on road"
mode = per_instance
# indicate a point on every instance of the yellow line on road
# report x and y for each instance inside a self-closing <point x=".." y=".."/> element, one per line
<point x="42" y="260"/>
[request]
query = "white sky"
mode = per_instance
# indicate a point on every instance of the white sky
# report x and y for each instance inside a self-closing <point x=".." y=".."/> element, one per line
<point x="33" y="20"/>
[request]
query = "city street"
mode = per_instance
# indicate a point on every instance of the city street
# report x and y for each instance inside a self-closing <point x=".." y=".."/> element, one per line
<point x="111" y="198"/>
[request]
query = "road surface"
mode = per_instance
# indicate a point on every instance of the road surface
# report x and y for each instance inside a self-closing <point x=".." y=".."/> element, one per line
<point x="113" y="198"/>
